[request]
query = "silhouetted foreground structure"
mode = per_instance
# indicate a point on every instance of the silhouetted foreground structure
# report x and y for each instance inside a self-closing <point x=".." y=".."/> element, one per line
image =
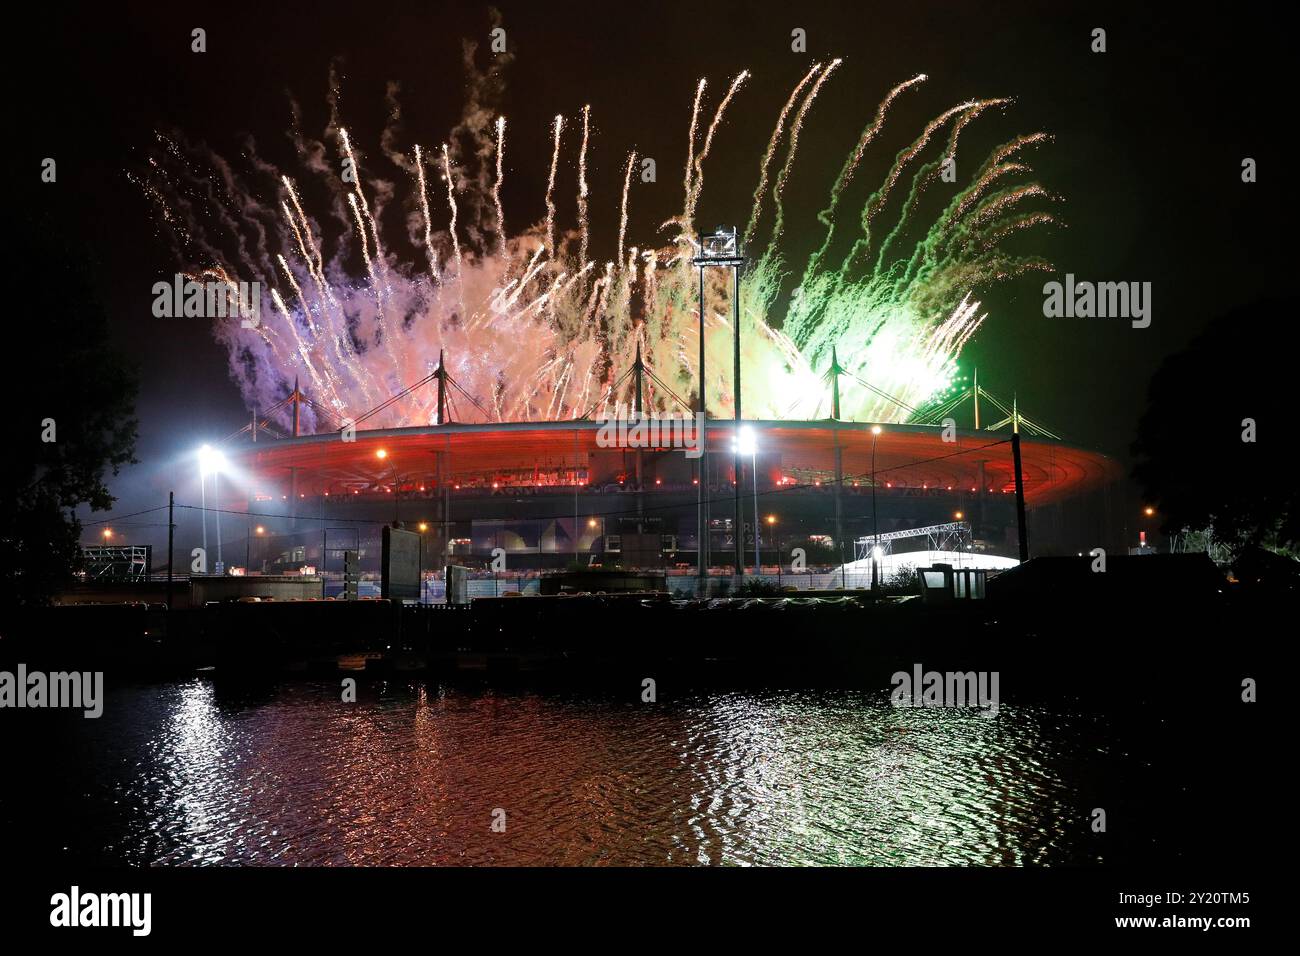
<point x="1050" y="624"/>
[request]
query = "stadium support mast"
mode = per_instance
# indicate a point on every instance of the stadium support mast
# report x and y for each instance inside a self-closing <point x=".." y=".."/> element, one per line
<point x="839" y="463"/>
<point x="1021" y="529"/>
<point x="442" y="388"/>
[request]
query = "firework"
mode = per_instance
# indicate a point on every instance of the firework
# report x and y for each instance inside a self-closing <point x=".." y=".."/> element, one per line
<point x="538" y="330"/>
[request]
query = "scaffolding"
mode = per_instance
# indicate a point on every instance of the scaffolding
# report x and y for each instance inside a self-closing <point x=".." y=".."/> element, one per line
<point x="118" y="562"/>
<point x="951" y="536"/>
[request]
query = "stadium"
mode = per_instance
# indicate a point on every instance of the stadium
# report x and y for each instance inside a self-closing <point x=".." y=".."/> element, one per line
<point x="526" y="496"/>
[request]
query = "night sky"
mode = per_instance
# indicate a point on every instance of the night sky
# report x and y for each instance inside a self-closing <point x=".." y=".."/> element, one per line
<point x="1149" y="142"/>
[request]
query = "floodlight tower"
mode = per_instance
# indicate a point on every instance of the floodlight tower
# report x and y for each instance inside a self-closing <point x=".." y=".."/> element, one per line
<point x="722" y="248"/>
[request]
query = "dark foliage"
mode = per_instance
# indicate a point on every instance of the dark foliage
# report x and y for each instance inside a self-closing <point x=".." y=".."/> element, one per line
<point x="72" y="386"/>
<point x="1192" y="461"/>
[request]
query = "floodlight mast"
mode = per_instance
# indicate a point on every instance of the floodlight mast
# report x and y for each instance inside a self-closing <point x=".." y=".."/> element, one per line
<point x="722" y="248"/>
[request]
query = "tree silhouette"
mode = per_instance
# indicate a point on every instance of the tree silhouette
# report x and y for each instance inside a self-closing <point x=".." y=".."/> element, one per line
<point x="69" y="384"/>
<point x="1193" y="460"/>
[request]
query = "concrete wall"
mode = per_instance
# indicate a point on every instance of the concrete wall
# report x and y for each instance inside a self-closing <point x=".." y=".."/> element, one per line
<point x="275" y="587"/>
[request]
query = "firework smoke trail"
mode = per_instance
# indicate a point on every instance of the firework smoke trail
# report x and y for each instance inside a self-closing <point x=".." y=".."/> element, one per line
<point x="299" y="346"/>
<point x="827" y="216"/>
<point x="539" y="329"/>
<point x="550" y="188"/>
<point x="995" y="168"/>
<point x="361" y="201"/>
<point x="881" y="195"/>
<point x="386" y="338"/>
<point x="293" y="284"/>
<point x="582" y="189"/>
<point x="622" y="221"/>
<point x="424" y="208"/>
<point x="690" y="151"/>
<point x="365" y="249"/>
<point x="306" y="240"/>
<point x="496" y="186"/>
<point x="933" y="169"/>
<point x="697" y="182"/>
<point x="766" y="162"/>
<point x="795" y="127"/>
<point x="451" y="201"/>
<point x="302" y="248"/>
<point x="316" y="269"/>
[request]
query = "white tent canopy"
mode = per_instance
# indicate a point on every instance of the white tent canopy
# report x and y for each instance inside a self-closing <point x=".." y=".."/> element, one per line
<point x="893" y="563"/>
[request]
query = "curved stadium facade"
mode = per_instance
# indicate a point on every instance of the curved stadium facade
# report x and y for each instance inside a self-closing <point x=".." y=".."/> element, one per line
<point x="547" y="494"/>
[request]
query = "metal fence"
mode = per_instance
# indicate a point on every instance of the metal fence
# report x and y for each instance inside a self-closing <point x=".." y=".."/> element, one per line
<point x="483" y="584"/>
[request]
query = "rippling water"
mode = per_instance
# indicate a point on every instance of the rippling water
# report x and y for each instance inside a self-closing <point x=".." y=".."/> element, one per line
<point x="191" y="773"/>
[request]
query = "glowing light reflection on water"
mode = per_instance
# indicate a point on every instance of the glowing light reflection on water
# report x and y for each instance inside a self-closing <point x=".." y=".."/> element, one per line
<point x="412" y="773"/>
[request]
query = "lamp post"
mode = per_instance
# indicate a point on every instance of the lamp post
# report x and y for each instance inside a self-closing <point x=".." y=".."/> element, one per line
<point x="423" y="526"/>
<point x="210" y="460"/>
<point x="203" y="504"/>
<point x="382" y="455"/>
<point x="875" y="521"/>
<point x="722" y="248"/>
<point x="216" y="498"/>
<point x="1148" y="512"/>
<point x="248" y="548"/>
<point x="747" y="444"/>
<point x="776" y="549"/>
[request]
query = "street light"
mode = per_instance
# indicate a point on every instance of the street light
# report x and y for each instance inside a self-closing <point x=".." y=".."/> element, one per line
<point x="1148" y="512"/>
<point x="248" y="546"/>
<point x="211" y="462"/>
<point x="776" y="546"/>
<point x="423" y="526"/>
<point x="381" y="454"/>
<point x="875" y="521"/>
<point x="107" y="533"/>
